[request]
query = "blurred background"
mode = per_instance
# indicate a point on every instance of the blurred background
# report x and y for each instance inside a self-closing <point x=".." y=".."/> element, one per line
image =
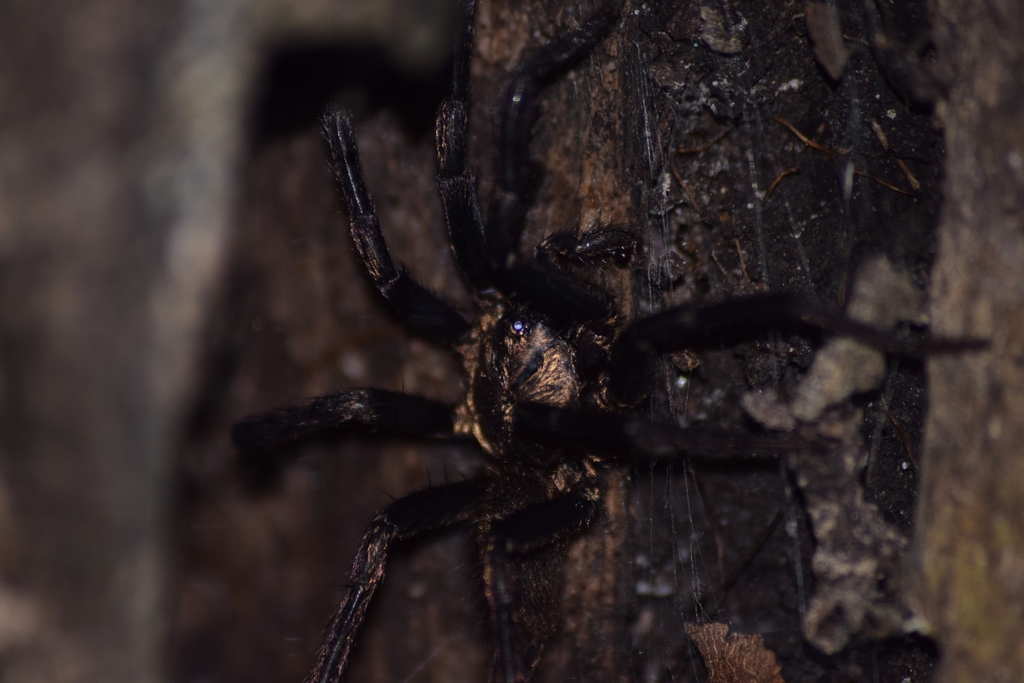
<point x="125" y="130"/>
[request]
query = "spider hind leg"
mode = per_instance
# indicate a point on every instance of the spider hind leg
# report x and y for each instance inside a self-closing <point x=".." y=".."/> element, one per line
<point x="408" y="517"/>
<point x="521" y="553"/>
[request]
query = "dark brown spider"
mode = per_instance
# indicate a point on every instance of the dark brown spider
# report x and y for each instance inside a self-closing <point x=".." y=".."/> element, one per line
<point x="554" y="372"/>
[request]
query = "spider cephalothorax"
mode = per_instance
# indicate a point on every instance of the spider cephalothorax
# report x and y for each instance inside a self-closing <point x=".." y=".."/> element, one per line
<point x="520" y="357"/>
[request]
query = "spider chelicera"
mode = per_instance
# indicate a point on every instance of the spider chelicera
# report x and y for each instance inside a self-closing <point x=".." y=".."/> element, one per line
<point x="554" y="372"/>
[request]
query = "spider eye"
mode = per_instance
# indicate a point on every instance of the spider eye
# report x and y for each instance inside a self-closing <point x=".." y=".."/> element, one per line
<point x="518" y="326"/>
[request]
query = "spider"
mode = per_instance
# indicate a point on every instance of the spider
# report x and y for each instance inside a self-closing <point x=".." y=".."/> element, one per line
<point x="557" y="375"/>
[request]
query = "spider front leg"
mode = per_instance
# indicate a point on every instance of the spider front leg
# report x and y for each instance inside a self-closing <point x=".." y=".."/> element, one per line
<point x="515" y="117"/>
<point x="422" y="310"/>
<point x="546" y="289"/>
<point x="407" y="517"/>
<point x="484" y="256"/>
<point x="454" y="180"/>
<point x="521" y="554"/>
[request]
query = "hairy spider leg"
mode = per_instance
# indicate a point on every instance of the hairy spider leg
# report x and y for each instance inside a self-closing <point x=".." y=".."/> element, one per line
<point x="703" y="327"/>
<point x="481" y="253"/>
<point x="376" y="409"/>
<point x="260" y="438"/>
<point x="478" y="252"/>
<point x="530" y="540"/>
<point x="515" y="117"/>
<point x="407" y="517"/>
<point x="422" y="310"/>
<point x="546" y="289"/>
<point x="455" y="181"/>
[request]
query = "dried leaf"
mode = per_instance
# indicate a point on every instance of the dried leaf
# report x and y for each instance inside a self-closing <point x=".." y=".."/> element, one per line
<point x="737" y="658"/>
